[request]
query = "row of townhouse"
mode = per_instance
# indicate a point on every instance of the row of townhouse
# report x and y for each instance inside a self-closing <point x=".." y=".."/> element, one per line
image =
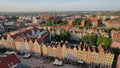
<point x="83" y="53"/>
<point x="21" y="44"/>
<point x="61" y="50"/>
<point x="25" y="40"/>
<point x="112" y="23"/>
<point x="77" y="34"/>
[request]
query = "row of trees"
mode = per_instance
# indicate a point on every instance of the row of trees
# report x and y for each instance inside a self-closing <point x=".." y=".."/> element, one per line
<point x="13" y="18"/>
<point x="96" y="40"/>
<point x="63" y="36"/>
<point x="48" y="23"/>
<point x="56" y="22"/>
<point x="77" y="23"/>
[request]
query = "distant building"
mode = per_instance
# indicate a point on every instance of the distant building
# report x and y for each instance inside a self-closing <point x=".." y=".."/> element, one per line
<point x="2" y="30"/>
<point x="115" y="35"/>
<point x="112" y="23"/>
<point x="77" y="34"/>
<point x="95" y="23"/>
<point x="26" y="40"/>
<point x="70" y="22"/>
<point x="34" y="21"/>
<point x="82" y="23"/>
<point x="64" y="27"/>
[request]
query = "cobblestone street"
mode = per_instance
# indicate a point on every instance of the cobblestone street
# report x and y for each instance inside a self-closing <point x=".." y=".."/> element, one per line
<point x="32" y="62"/>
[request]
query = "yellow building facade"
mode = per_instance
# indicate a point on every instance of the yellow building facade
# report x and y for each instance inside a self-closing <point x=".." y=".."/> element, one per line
<point x="37" y="47"/>
<point x="49" y="50"/>
<point x="44" y="50"/>
<point x="59" y="51"/>
<point x="64" y="51"/>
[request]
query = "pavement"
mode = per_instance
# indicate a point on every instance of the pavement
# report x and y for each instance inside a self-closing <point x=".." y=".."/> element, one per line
<point x="32" y="62"/>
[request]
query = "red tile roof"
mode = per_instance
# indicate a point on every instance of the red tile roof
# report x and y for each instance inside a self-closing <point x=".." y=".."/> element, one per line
<point x="4" y="61"/>
<point x="39" y="40"/>
<point x="64" y="27"/>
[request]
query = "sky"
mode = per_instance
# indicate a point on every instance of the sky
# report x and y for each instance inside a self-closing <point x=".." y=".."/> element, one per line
<point x="58" y="5"/>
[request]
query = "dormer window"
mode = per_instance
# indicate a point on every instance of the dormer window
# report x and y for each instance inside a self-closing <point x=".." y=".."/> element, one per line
<point x="10" y="65"/>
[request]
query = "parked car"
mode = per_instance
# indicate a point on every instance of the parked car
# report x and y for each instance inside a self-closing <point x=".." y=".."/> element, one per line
<point x="27" y="56"/>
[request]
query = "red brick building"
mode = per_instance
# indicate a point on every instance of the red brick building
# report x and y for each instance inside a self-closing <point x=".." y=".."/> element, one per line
<point x="8" y="61"/>
<point x="70" y="22"/>
<point x="82" y="23"/>
<point x="95" y="23"/>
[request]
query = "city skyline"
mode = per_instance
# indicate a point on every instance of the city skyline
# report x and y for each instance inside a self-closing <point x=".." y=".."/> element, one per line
<point x="58" y="5"/>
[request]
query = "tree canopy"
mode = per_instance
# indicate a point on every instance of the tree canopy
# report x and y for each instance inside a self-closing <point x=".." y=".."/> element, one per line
<point x="48" y="23"/>
<point x="89" y="39"/>
<point x="63" y="36"/>
<point x="96" y="40"/>
<point x="77" y="21"/>
<point x="60" y="22"/>
<point x="87" y="24"/>
<point x="104" y="40"/>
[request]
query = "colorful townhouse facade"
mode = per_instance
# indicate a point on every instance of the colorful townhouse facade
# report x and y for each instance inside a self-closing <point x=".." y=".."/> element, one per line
<point x="60" y="50"/>
<point x="84" y="53"/>
<point x="26" y="40"/>
<point x="90" y="55"/>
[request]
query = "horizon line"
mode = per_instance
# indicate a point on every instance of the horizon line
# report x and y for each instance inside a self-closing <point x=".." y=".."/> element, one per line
<point x="66" y="11"/>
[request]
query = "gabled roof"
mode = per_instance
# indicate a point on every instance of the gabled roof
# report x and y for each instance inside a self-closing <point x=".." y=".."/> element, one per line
<point x="4" y="61"/>
<point x="20" y="38"/>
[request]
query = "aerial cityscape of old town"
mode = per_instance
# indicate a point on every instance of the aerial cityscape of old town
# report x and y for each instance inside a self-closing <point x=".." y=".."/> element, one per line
<point x="59" y="34"/>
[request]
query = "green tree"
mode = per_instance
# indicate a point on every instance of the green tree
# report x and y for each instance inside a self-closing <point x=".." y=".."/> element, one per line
<point x="90" y="39"/>
<point x="116" y="51"/>
<point x="103" y="40"/>
<point x="87" y="24"/>
<point x="77" y="21"/>
<point x="58" y="21"/>
<point x="63" y="23"/>
<point x="48" y="23"/>
<point x="63" y="36"/>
